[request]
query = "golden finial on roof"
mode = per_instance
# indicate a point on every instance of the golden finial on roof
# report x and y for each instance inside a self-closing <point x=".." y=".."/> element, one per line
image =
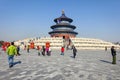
<point x="63" y="12"/>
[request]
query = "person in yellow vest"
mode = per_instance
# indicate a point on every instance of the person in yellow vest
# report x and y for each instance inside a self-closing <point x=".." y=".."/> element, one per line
<point x="11" y="51"/>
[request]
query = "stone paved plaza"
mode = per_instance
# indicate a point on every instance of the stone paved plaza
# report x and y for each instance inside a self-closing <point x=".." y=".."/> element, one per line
<point x="88" y="65"/>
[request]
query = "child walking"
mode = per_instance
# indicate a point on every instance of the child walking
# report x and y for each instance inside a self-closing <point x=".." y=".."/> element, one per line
<point x="62" y="50"/>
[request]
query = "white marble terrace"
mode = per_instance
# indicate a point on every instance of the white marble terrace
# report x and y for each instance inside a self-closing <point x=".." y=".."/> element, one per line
<point x="79" y="43"/>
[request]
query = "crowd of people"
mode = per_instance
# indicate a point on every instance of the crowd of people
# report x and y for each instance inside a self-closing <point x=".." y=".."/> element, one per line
<point x="13" y="50"/>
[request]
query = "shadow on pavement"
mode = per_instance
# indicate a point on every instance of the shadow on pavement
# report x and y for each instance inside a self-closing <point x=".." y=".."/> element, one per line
<point x="105" y="61"/>
<point x="18" y="62"/>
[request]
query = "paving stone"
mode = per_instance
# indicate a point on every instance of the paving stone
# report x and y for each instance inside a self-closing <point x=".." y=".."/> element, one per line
<point x="88" y="65"/>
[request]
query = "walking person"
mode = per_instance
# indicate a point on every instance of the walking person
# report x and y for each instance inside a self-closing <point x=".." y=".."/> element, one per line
<point x="105" y="48"/>
<point x="18" y="50"/>
<point x="25" y="47"/>
<point x="74" y="52"/>
<point x="43" y="50"/>
<point x="47" y="51"/>
<point x="50" y="51"/>
<point x="28" y="48"/>
<point x="11" y="51"/>
<point x="39" y="49"/>
<point x="113" y="52"/>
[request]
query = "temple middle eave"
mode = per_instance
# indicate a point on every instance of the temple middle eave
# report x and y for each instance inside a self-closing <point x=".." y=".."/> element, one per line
<point x="63" y="25"/>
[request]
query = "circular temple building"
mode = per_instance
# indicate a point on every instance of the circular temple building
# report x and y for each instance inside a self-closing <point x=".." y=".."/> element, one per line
<point x="63" y="27"/>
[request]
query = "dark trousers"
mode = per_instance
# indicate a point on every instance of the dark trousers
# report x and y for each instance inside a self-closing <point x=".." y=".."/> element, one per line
<point x="43" y="53"/>
<point x="114" y="59"/>
<point x="38" y="53"/>
<point x="62" y="53"/>
<point x="74" y="55"/>
<point x="18" y="53"/>
<point x="28" y="50"/>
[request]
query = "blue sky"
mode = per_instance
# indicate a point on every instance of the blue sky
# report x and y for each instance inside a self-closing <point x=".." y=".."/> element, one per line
<point x="21" y="19"/>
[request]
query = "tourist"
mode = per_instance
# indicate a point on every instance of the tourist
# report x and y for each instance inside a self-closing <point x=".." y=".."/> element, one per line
<point x="11" y="51"/>
<point x="28" y="47"/>
<point x="38" y="48"/>
<point x="25" y="47"/>
<point x="105" y="48"/>
<point x="74" y="52"/>
<point x="62" y="50"/>
<point x="18" y="50"/>
<point x="47" y="51"/>
<point x="113" y="52"/>
<point x="50" y="51"/>
<point x="43" y="50"/>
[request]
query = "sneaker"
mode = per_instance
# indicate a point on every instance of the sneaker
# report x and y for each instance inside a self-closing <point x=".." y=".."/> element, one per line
<point x="20" y="62"/>
<point x="10" y="66"/>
